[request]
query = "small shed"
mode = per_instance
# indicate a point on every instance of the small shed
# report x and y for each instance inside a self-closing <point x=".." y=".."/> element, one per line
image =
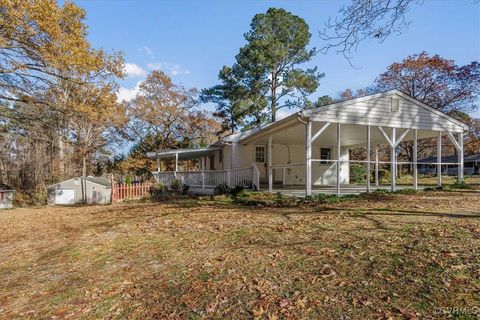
<point x="80" y="190"/>
<point x="6" y="196"/>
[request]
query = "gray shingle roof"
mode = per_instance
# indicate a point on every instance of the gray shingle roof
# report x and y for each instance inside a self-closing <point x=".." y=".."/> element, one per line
<point x="100" y="180"/>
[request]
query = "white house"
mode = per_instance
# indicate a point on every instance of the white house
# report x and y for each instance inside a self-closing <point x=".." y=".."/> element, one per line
<point x="308" y="151"/>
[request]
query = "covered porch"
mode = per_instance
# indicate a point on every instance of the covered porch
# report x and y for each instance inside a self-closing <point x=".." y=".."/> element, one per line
<point x="208" y="172"/>
<point x="309" y="152"/>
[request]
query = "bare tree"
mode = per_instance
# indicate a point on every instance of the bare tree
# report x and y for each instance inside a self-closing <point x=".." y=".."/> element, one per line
<point x="364" y="20"/>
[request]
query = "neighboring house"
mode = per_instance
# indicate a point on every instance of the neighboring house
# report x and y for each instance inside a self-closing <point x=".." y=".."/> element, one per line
<point x="471" y="165"/>
<point x="89" y="190"/>
<point x="309" y="150"/>
<point x="6" y="196"/>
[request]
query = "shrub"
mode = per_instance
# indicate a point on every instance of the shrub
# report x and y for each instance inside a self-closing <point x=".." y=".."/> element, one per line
<point x="185" y="188"/>
<point x="384" y="176"/>
<point x="328" y="198"/>
<point x="407" y="191"/>
<point x="460" y="185"/>
<point x="179" y="187"/>
<point x="157" y="191"/>
<point x="265" y="199"/>
<point x="358" y="173"/>
<point x="222" y="188"/>
<point x="235" y="191"/>
<point x="381" y="191"/>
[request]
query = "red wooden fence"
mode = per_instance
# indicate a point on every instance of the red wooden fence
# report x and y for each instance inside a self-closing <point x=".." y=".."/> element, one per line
<point x="130" y="191"/>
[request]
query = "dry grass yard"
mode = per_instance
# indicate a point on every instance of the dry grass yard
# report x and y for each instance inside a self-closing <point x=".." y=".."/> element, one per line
<point x="382" y="257"/>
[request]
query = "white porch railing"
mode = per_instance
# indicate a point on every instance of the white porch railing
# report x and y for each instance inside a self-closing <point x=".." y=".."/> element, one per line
<point x="248" y="177"/>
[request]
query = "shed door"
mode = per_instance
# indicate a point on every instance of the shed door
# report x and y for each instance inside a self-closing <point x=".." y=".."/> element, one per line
<point x="65" y="196"/>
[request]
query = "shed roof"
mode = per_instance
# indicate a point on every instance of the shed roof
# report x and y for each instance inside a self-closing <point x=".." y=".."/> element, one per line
<point x="97" y="180"/>
<point x="100" y="180"/>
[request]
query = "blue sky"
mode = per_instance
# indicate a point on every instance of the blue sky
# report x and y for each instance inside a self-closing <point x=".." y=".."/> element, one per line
<point x="192" y="40"/>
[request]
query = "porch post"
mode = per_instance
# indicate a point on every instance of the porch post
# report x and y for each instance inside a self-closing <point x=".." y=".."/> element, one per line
<point x="376" y="167"/>
<point x="368" y="157"/>
<point x="338" y="159"/>
<point x="460" y="157"/>
<point x="308" y="158"/>
<point x="439" y="159"/>
<point x="393" y="156"/>
<point x="159" y="167"/>
<point x="415" y="159"/>
<point x="176" y="164"/>
<point x="269" y="155"/>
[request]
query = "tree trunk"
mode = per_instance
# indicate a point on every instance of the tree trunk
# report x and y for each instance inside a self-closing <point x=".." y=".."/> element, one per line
<point x="274" y="96"/>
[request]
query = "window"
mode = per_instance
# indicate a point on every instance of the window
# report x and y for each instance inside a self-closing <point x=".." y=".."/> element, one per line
<point x="325" y="154"/>
<point x="220" y="156"/>
<point x="259" y="154"/>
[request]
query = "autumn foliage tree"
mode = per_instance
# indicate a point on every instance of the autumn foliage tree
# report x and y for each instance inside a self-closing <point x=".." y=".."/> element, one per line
<point x="164" y="115"/>
<point x="58" y="102"/>
<point x="436" y="81"/>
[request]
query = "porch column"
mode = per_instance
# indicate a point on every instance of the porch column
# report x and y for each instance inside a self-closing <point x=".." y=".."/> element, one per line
<point x="176" y="164"/>
<point x="415" y="159"/>
<point x="439" y="159"/>
<point x="202" y="166"/>
<point x="338" y="159"/>
<point x="308" y="158"/>
<point x="393" y="156"/>
<point x="368" y="157"/>
<point x="376" y="167"/>
<point x="269" y="155"/>
<point x="460" y="157"/>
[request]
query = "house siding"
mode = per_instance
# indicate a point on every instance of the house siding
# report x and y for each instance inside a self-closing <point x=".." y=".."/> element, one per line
<point x="322" y="174"/>
<point x="242" y="155"/>
<point x="378" y="112"/>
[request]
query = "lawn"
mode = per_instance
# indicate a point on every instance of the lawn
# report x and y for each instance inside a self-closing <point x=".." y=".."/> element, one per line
<point x="384" y="256"/>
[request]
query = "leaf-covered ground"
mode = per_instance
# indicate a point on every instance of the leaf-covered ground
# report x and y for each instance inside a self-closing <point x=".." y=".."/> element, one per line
<point x="390" y="256"/>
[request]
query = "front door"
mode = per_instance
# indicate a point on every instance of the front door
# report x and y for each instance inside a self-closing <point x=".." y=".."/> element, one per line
<point x="260" y="154"/>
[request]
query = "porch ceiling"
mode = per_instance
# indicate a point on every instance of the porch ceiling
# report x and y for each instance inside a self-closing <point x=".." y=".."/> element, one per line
<point x="351" y="135"/>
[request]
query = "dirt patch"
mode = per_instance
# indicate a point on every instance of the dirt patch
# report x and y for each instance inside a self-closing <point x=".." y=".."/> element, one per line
<point x="399" y="256"/>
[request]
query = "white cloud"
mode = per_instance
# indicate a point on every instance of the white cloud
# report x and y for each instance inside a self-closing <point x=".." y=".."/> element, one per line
<point x="147" y="50"/>
<point x="171" y="68"/>
<point x="134" y="70"/>
<point x="127" y="94"/>
<point x="283" y="113"/>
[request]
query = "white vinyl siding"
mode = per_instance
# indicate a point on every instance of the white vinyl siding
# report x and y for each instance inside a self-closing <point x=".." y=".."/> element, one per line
<point x="378" y="112"/>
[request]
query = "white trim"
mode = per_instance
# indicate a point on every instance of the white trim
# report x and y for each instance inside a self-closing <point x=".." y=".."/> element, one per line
<point x="385" y="135"/>
<point x="439" y="159"/>
<point x="402" y="136"/>
<point x="369" y="134"/>
<point x="393" y="166"/>
<point x="415" y="159"/>
<point x="269" y="159"/>
<point x="338" y="157"/>
<point x="308" y="159"/>
<point x="454" y="141"/>
<point x="320" y="131"/>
